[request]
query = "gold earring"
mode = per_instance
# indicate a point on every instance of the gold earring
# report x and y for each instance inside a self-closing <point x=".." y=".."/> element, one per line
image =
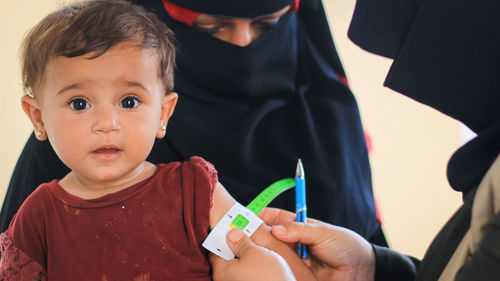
<point x="163" y="125"/>
<point x="164" y="128"/>
<point x="38" y="133"/>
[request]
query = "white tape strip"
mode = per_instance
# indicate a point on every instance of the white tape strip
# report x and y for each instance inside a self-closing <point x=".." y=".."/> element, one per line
<point x="216" y="239"/>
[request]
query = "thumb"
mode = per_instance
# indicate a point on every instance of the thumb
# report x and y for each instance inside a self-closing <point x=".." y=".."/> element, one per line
<point x="238" y="242"/>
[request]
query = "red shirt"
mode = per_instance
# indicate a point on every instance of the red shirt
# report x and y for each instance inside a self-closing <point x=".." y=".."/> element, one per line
<point x="152" y="230"/>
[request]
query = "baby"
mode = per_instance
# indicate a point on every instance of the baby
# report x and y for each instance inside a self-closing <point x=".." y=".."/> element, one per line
<point x="98" y="77"/>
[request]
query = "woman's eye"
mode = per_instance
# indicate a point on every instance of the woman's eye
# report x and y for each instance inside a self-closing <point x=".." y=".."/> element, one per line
<point x="129" y="102"/>
<point x="79" y="104"/>
<point x="266" y="25"/>
<point x="207" y="29"/>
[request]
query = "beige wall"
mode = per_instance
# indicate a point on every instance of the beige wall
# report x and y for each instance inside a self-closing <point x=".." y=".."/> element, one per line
<point x="411" y="142"/>
<point x="15" y="19"/>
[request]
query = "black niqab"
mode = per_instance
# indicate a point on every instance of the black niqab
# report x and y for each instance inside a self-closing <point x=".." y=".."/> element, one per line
<point x="447" y="56"/>
<point x="254" y="110"/>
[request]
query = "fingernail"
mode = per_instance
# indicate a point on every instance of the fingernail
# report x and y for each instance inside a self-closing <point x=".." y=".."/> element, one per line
<point x="279" y="230"/>
<point x="235" y="235"/>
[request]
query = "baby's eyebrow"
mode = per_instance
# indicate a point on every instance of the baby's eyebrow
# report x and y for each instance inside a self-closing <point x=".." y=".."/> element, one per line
<point x="136" y="84"/>
<point x="127" y="83"/>
<point x="70" y="87"/>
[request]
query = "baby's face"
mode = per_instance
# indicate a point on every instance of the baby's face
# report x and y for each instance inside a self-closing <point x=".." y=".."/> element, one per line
<point x="102" y="115"/>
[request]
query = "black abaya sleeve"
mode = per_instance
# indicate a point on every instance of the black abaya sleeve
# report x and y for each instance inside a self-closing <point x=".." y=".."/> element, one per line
<point x="393" y="266"/>
<point x="37" y="164"/>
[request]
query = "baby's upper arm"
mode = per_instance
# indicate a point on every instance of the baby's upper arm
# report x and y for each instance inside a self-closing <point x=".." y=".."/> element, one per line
<point x="222" y="202"/>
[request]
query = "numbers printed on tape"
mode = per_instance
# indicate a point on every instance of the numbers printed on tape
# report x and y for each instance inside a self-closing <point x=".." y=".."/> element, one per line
<point x="239" y="222"/>
<point x="268" y="194"/>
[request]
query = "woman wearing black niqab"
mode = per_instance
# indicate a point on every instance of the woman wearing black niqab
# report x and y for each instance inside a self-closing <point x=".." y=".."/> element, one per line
<point x="253" y="111"/>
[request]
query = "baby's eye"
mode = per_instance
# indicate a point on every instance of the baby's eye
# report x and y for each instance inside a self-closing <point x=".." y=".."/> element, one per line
<point x="79" y="104"/>
<point x="129" y="102"/>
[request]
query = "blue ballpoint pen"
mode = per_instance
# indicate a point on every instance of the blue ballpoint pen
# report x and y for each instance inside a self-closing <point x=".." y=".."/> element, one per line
<point x="300" y="203"/>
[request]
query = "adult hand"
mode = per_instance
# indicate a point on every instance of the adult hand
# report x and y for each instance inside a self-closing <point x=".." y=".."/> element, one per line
<point x="253" y="262"/>
<point x="336" y="253"/>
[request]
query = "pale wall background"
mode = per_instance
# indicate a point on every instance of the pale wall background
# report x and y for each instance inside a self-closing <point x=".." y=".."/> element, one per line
<point x="412" y="142"/>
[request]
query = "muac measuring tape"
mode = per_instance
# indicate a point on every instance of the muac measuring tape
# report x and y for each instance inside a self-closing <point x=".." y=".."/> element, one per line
<point x="245" y="219"/>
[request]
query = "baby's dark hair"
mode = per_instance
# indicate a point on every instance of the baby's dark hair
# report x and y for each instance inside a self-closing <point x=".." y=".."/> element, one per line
<point x="93" y="27"/>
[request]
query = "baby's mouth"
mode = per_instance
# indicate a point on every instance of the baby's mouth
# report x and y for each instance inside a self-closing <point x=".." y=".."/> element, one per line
<point x="107" y="151"/>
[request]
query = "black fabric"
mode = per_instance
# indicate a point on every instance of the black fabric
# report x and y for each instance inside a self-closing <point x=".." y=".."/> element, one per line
<point x="253" y="111"/>
<point x="469" y="164"/>
<point x="393" y="266"/>
<point x="446" y="56"/>
<point x="452" y="65"/>
<point x="229" y="72"/>
<point x="445" y="243"/>
<point x="380" y="27"/>
<point x="449" y="61"/>
<point x="234" y="8"/>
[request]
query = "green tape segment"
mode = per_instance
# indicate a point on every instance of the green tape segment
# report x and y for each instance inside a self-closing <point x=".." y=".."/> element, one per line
<point x="268" y="194"/>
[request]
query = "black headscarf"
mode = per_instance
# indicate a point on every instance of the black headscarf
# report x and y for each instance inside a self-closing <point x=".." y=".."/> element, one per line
<point x="254" y="110"/>
<point x="447" y="56"/>
<point x="236" y="8"/>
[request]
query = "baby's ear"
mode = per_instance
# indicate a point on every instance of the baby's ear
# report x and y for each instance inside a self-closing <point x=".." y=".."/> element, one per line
<point x="32" y="109"/>
<point x="167" y="109"/>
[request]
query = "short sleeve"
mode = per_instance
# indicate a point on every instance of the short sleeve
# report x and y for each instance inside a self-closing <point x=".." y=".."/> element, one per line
<point x="22" y="244"/>
<point x="16" y="264"/>
<point x="199" y="179"/>
<point x="27" y="229"/>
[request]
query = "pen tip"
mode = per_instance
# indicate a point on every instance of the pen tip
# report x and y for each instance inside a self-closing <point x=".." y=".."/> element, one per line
<point x="300" y="169"/>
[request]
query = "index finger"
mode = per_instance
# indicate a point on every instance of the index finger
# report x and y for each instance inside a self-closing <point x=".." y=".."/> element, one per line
<point x="274" y="216"/>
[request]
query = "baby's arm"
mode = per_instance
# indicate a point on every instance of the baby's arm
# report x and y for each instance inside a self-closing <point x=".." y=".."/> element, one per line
<point x="223" y="201"/>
